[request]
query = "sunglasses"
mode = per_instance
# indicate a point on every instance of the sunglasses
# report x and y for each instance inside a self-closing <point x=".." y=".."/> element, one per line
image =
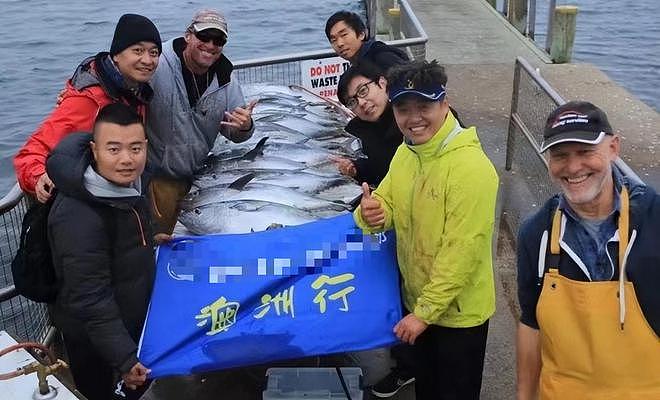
<point x="205" y="36"/>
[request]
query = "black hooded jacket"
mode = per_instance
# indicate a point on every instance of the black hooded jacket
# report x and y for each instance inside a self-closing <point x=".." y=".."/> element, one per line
<point x="382" y="55"/>
<point x="380" y="139"/>
<point x="103" y="257"/>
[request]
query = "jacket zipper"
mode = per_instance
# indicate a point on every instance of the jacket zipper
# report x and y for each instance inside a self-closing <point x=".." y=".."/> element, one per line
<point x="137" y="216"/>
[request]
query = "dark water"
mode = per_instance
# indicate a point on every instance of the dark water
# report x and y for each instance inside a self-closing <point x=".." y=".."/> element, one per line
<point x="43" y="41"/>
<point x="621" y="37"/>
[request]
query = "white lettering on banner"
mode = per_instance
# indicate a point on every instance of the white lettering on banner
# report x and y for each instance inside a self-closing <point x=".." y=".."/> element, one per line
<point x="322" y="76"/>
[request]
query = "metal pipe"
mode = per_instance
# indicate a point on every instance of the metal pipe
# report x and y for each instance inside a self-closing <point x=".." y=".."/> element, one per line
<point x="531" y="28"/>
<point x="512" y="114"/>
<point x="556" y="97"/>
<point x="11" y="199"/>
<point x="8" y="293"/>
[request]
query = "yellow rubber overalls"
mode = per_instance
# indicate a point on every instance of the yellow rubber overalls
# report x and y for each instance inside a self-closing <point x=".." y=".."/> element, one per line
<point x="596" y="343"/>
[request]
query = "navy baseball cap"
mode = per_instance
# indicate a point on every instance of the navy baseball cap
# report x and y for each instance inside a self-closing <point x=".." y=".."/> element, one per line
<point x="428" y="93"/>
<point x="575" y="121"/>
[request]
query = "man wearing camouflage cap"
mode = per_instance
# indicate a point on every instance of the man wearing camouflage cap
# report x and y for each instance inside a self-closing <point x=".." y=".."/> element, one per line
<point x="197" y="96"/>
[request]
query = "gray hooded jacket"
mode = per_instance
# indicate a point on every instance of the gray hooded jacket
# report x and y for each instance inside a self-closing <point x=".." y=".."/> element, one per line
<point x="180" y="137"/>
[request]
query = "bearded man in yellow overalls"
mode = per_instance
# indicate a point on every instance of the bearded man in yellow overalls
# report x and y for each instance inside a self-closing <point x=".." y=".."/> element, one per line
<point x="589" y="271"/>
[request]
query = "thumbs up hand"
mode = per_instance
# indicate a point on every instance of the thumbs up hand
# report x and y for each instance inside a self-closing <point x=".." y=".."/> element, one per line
<point x="370" y="208"/>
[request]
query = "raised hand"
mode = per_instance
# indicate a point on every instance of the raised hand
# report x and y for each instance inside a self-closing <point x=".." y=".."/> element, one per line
<point x="370" y="208"/>
<point x="240" y="118"/>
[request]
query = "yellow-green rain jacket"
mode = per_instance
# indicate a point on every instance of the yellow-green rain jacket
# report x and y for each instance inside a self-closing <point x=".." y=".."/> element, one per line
<point x="440" y="199"/>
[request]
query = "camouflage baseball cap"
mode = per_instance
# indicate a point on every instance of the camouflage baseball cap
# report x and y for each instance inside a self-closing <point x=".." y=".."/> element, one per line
<point x="209" y="19"/>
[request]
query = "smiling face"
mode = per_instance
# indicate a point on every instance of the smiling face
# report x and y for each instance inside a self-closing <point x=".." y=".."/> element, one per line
<point x="345" y="41"/>
<point x="137" y="63"/>
<point x="584" y="172"/>
<point x="369" y="98"/>
<point x="418" y="119"/>
<point x="199" y="55"/>
<point x="120" y="152"/>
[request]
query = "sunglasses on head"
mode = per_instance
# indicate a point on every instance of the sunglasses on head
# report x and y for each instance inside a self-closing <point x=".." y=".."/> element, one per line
<point x="206" y="36"/>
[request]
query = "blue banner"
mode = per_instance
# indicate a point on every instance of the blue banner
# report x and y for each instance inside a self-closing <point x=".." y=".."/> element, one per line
<point x="223" y="301"/>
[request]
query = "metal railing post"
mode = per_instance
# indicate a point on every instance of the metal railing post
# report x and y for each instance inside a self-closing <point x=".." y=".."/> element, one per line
<point x="514" y="110"/>
<point x="551" y="18"/>
<point x="531" y="28"/>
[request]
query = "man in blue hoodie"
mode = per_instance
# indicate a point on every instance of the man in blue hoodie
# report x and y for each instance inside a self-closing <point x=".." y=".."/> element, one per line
<point x="102" y="251"/>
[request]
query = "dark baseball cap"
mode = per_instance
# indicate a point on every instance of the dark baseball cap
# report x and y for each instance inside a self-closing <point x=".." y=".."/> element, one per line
<point x="575" y="121"/>
<point x="427" y="93"/>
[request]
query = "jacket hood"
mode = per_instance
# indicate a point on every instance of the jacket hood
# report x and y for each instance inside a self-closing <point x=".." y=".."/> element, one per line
<point x="67" y="163"/>
<point x="85" y="75"/>
<point x="380" y="47"/>
<point x="98" y="70"/>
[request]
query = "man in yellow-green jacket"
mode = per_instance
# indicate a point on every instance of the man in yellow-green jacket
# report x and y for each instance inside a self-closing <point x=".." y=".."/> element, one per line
<point x="439" y="196"/>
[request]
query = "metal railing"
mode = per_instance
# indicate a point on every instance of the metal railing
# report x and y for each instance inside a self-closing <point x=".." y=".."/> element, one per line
<point x="528" y="185"/>
<point x="24" y="319"/>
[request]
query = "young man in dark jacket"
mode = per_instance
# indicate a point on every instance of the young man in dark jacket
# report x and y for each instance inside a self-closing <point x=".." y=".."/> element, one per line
<point x="102" y="250"/>
<point x="350" y="39"/>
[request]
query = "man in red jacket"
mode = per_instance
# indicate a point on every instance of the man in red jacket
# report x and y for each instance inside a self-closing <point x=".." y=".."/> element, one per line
<point x="118" y="76"/>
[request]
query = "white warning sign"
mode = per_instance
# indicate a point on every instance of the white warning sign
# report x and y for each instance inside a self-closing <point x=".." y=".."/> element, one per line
<point x="322" y="76"/>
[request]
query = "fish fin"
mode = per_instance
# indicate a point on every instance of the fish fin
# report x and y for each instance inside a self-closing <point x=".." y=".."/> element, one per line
<point x="257" y="150"/>
<point x="240" y="183"/>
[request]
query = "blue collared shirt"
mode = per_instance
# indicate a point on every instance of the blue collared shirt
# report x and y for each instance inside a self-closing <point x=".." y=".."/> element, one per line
<point x="588" y="238"/>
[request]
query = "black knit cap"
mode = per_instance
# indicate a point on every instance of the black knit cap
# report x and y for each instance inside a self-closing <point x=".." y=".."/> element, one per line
<point x="133" y="28"/>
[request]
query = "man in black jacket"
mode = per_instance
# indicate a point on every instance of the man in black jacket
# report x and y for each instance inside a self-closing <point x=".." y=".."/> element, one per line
<point x="102" y="252"/>
<point x="350" y="39"/>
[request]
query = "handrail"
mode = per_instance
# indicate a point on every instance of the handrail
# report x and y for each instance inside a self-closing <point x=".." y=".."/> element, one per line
<point x="12" y="198"/>
<point x="413" y="18"/>
<point x="316" y="54"/>
<point x="7" y="293"/>
<point x="516" y="121"/>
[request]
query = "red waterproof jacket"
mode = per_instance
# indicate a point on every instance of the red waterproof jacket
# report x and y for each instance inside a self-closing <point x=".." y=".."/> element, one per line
<point x="85" y="94"/>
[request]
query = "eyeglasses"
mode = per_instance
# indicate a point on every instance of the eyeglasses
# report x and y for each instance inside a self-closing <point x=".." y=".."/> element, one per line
<point x="361" y="92"/>
<point x="205" y="36"/>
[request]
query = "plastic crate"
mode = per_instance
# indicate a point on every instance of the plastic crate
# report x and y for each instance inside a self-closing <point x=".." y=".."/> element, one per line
<point x="312" y="383"/>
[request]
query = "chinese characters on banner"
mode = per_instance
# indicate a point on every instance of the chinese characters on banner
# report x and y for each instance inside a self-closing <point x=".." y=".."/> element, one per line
<point x="231" y="300"/>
